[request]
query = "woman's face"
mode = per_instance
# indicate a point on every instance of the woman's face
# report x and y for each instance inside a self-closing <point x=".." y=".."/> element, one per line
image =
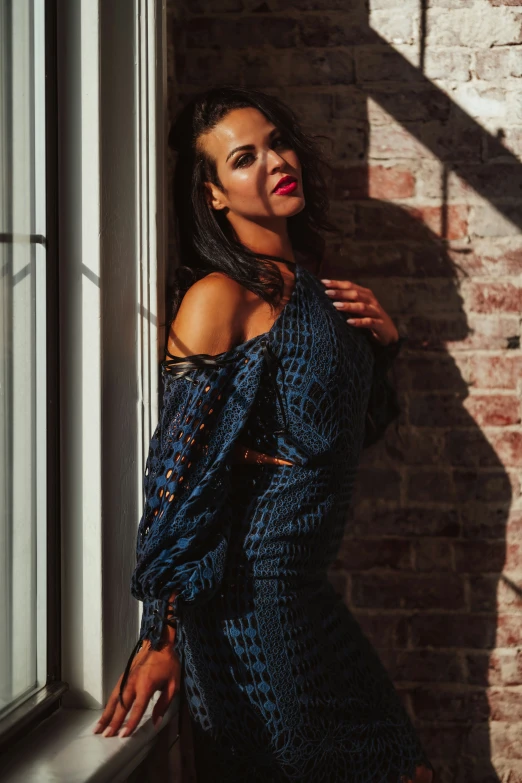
<point x="249" y="176"/>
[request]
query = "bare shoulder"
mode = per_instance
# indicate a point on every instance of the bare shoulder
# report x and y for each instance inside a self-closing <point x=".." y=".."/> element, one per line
<point x="209" y="318"/>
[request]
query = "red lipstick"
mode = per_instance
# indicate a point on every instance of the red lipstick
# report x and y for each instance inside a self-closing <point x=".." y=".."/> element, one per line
<point x="285" y="185"/>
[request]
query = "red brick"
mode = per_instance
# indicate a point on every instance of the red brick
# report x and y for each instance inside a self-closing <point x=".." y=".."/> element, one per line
<point x="430" y="485"/>
<point x="479" y="556"/>
<point x="439" y="410"/>
<point x="513" y="557"/>
<point x="442" y="741"/>
<point x="387" y="222"/>
<point x="483" y="592"/>
<point x="209" y="6"/>
<point x="489" y="521"/>
<point x="511" y="144"/>
<point x="240" y="33"/>
<point x="347" y="145"/>
<point x="433" y="373"/>
<point x="508" y="447"/>
<point x="360" y="182"/>
<point x="495" y="593"/>
<point x="494" y="297"/>
<point x="416" y="102"/>
<point x="310" y="106"/>
<point x="483" y="668"/>
<point x="339" y="30"/>
<point x="496" y="180"/>
<point x="408" y="592"/>
<point x="198" y="64"/>
<point x="449" y="704"/>
<point x="514" y="525"/>
<point x="308" y="5"/>
<point x="307" y="67"/>
<point x="477" y="742"/>
<point x="454" y="630"/>
<point x="484" y="261"/>
<point x="493" y="410"/>
<point x="495" y="372"/>
<point x="451" y="222"/>
<point x="363" y="554"/>
<point x="416" y="447"/>
<point x="389" y="141"/>
<point x="391" y="183"/>
<point x="457" y="142"/>
<point x="339" y="581"/>
<point x="467" y="448"/>
<point x="418" y="296"/>
<point x="478" y="332"/>
<point x="383" y="630"/>
<point x="408" y="521"/>
<point x="424" y="666"/>
<point x="509" y="598"/>
<point x="381" y="65"/>
<point x="352" y="259"/>
<point x="509" y="630"/>
<point x="388" y="480"/>
<point x="432" y="554"/>
<point x="485" y="486"/>
<point x="506" y="742"/>
<point x="505" y="704"/>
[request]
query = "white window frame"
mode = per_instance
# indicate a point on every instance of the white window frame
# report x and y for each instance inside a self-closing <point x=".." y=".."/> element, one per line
<point x="112" y="240"/>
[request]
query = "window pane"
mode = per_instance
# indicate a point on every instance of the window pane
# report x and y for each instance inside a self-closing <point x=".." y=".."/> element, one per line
<point x="22" y="350"/>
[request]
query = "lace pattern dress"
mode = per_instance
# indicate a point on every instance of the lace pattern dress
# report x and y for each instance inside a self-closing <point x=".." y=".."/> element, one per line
<point x="281" y="683"/>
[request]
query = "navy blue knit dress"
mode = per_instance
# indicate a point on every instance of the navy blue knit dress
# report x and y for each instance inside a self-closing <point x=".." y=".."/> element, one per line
<point x="281" y="684"/>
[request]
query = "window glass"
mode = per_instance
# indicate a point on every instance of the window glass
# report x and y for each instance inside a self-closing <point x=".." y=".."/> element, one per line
<point x="23" y="390"/>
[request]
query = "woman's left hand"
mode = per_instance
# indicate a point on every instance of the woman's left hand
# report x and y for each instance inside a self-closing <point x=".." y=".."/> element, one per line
<point x="352" y="298"/>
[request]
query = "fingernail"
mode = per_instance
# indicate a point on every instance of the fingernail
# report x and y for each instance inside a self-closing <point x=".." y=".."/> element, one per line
<point x="337" y="304"/>
<point x="324" y="280"/>
<point x="109" y="731"/>
<point x="328" y="290"/>
<point x="96" y="728"/>
<point x="123" y="732"/>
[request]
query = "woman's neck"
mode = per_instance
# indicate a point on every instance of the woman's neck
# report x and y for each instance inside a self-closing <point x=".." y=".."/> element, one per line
<point x="272" y="240"/>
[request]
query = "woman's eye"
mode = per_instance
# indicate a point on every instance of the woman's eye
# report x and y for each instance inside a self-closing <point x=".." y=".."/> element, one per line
<point x="240" y="161"/>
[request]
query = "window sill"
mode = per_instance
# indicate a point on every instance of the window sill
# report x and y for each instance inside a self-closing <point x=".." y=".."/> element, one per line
<point x="63" y="749"/>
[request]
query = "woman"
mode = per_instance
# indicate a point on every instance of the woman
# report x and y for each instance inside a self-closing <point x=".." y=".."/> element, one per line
<point x="251" y="468"/>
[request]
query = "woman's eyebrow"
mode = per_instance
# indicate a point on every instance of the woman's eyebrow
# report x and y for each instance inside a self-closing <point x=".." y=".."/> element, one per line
<point x="249" y="146"/>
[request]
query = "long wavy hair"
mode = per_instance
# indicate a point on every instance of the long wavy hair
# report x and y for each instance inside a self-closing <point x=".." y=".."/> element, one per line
<point x="206" y="239"/>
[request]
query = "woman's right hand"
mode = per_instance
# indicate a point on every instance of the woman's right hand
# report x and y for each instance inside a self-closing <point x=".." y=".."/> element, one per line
<point x="151" y="670"/>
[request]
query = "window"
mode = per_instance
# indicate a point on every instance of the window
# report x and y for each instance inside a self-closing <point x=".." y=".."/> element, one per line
<point x="93" y="77"/>
<point x="28" y="350"/>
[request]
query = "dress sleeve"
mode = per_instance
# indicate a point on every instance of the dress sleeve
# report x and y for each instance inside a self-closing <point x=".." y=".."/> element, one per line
<point x="383" y="405"/>
<point x="183" y="533"/>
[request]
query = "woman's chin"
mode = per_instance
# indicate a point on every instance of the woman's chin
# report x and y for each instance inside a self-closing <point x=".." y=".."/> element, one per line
<point x="292" y="207"/>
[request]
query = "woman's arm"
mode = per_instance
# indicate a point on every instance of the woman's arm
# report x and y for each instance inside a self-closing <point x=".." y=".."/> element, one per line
<point x="211" y="320"/>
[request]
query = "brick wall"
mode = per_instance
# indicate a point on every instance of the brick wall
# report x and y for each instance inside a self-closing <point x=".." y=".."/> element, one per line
<point x="423" y="113"/>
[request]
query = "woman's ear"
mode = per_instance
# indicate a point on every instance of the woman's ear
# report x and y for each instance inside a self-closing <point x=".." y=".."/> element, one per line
<point x="213" y="196"/>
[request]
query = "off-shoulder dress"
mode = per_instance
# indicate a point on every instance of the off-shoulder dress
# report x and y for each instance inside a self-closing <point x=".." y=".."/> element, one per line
<point x="280" y="681"/>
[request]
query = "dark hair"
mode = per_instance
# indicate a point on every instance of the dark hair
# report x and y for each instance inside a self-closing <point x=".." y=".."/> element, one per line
<point x="206" y="239"/>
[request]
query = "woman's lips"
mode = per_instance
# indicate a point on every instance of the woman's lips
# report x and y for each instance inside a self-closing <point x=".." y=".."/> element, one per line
<point x="288" y="188"/>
